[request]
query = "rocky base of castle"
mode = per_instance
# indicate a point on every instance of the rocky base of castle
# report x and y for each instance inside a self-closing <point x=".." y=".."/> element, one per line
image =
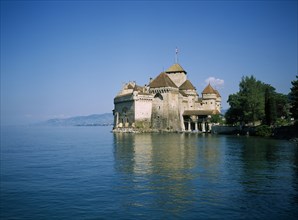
<point x="150" y="130"/>
<point x="140" y="130"/>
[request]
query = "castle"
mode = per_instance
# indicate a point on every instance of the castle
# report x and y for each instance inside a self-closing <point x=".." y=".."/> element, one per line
<point x="169" y="102"/>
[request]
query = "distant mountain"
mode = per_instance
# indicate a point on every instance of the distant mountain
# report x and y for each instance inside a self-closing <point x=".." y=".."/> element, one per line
<point x="105" y="119"/>
<point x="90" y="120"/>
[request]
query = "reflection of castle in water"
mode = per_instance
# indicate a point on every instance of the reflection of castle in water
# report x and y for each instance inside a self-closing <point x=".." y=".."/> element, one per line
<point x="169" y="163"/>
<point x="177" y="174"/>
<point x="147" y="152"/>
<point x="133" y="153"/>
<point x="162" y="162"/>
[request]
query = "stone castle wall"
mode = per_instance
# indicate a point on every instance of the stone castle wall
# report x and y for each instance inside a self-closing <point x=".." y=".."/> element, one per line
<point x="125" y="111"/>
<point x="165" y="111"/>
<point x="209" y="101"/>
<point x="143" y="112"/>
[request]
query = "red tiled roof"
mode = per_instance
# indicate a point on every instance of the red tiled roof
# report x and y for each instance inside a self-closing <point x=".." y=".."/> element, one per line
<point x="187" y="85"/>
<point x="183" y="93"/>
<point x="162" y="80"/>
<point x="175" y="68"/>
<point x="208" y="90"/>
<point x="138" y="88"/>
<point x="129" y="86"/>
<point x="217" y="93"/>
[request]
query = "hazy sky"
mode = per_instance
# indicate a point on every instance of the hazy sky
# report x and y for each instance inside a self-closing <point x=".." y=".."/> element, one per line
<point x="68" y="58"/>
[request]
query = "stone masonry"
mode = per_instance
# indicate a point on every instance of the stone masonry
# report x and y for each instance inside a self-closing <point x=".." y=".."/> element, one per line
<point x="168" y="103"/>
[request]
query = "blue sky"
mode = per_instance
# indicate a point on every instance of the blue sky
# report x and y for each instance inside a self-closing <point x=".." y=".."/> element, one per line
<point x="68" y="58"/>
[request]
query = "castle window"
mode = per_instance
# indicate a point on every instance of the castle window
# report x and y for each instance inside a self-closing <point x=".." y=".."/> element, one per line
<point x="210" y="102"/>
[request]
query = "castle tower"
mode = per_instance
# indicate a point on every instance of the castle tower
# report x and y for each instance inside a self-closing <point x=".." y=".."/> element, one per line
<point x="177" y="74"/>
<point x="165" y="104"/>
<point x="209" y="98"/>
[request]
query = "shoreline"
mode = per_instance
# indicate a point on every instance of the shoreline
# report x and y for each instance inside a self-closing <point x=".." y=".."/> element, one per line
<point x="289" y="132"/>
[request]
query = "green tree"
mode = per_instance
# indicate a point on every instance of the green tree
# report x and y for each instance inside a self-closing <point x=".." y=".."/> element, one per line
<point x="252" y="96"/>
<point x="216" y="119"/>
<point x="257" y="101"/>
<point x="270" y="105"/>
<point x="235" y="114"/>
<point x="294" y="99"/>
<point x="282" y="105"/>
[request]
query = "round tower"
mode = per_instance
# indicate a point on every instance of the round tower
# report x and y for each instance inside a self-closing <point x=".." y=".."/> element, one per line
<point x="209" y="97"/>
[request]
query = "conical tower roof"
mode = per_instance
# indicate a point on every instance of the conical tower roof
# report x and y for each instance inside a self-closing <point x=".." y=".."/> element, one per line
<point x="162" y="80"/>
<point x="175" y="69"/>
<point x="217" y="93"/>
<point x="208" y="90"/>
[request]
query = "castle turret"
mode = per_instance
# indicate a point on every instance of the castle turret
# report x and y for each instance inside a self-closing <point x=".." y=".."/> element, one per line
<point x="218" y="101"/>
<point x="209" y="97"/>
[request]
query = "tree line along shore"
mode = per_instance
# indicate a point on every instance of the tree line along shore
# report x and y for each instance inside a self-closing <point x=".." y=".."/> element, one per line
<point x="257" y="109"/>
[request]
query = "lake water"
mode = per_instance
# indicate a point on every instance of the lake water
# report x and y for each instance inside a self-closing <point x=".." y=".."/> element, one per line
<point x="91" y="173"/>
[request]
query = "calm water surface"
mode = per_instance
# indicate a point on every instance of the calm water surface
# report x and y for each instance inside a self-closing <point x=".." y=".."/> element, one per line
<point x="91" y="173"/>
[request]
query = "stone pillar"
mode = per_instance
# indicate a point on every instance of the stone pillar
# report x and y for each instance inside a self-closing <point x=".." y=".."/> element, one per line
<point x="182" y="122"/>
<point x="210" y="126"/>
<point x="189" y="126"/>
<point x="196" y="126"/>
<point x="126" y="124"/>
<point x="203" y="126"/>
